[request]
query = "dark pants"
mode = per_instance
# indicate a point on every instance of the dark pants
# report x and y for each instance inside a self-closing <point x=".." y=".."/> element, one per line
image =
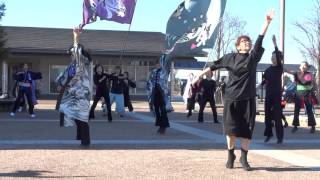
<point x="27" y="92"/>
<point x="190" y="104"/>
<point x="96" y="100"/>
<point x="130" y="107"/>
<point x="83" y="133"/>
<point x="160" y="109"/>
<point x="273" y="112"/>
<point x="202" y="102"/>
<point x="128" y="103"/>
<point x="303" y="98"/>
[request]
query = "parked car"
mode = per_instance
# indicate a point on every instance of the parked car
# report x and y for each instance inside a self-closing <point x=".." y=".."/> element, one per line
<point x="289" y="92"/>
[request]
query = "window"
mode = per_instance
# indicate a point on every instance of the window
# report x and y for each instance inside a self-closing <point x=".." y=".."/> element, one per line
<point x="55" y="70"/>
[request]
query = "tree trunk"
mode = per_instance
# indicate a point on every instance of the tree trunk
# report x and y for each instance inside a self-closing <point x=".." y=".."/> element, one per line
<point x="318" y="80"/>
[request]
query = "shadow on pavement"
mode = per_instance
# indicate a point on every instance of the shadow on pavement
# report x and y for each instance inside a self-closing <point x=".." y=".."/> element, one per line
<point x="285" y="169"/>
<point x="201" y="147"/>
<point x="36" y="174"/>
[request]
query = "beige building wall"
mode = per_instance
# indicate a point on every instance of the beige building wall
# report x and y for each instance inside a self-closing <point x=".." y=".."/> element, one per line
<point x="138" y="68"/>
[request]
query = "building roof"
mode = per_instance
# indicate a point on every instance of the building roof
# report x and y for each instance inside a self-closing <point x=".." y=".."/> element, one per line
<point x="189" y="64"/>
<point x="263" y="66"/>
<point x="100" y="42"/>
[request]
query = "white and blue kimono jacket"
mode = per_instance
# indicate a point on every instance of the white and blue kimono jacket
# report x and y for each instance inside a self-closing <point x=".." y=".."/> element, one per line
<point x="75" y="102"/>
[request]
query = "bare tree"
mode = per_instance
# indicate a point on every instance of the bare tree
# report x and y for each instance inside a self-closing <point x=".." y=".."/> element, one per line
<point x="310" y="42"/>
<point x="3" y="49"/>
<point x="231" y="27"/>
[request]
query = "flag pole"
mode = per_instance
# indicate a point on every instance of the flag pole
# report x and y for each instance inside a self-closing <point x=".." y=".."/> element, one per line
<point x="282" y="25"/>
<point x="282" y="36"/>
<point x="124" y="45"/>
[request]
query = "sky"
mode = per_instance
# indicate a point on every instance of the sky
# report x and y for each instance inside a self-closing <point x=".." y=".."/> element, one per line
<point x="152" y="15"/>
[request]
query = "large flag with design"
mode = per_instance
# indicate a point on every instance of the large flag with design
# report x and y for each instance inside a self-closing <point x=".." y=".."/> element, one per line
<point x="120" y="11"/>
<point x="192" y="27"/>
<point x="191" y="31"/>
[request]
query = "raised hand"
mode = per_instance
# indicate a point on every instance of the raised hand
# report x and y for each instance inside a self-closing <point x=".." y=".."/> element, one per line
<point x="76" y="33"/>
<point x="274" y="40"/>
<point x="270" y="15"/>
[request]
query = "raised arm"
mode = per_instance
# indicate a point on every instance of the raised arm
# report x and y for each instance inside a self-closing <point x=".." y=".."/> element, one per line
<point x="267" y="21"/>
<point x="289" y="71"/>
<point x="76" y="36"/>
<point x="197" y="78"/>
<point x="274" y="41"/>
<point x="277" y="52"/>
<point x="258" y="43"/>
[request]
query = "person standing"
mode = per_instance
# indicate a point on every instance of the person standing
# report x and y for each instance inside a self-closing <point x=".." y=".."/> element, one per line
<point x="193" y="97"/>
<point x="186" y="88"/>
<point x="117" y="88"/>
<point x="222" y="88"/>
<point x="273" y="81"/>
<point x="157" y="99"/>
<point x="207" y="88"/>
<point x="24" y="82"/>
<point x="304" y="96"/>
<point x="239" y="105"/>
<point x="74" y="106"/>
<point x="128" y="83"/>
<point x="100" y="80"/>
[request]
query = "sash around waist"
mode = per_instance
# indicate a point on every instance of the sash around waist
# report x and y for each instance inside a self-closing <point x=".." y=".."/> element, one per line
<point x="23" y="84"/>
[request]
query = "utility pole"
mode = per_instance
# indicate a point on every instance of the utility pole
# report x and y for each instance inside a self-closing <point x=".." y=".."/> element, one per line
<point x="282" y="25"/>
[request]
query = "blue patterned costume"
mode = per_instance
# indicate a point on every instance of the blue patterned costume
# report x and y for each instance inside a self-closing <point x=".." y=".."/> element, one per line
<point x="75" y="102"/>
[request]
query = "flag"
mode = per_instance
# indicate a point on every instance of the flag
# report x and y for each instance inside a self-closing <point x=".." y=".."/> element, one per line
<point x="192" y="27"/>
<point x="120" y="11"/>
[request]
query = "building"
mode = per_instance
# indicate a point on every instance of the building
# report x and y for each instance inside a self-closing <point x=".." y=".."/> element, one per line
<point x="45" y="50"/>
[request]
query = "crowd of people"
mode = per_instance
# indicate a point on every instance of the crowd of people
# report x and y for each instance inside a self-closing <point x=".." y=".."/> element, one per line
<point x="238" y="93"/>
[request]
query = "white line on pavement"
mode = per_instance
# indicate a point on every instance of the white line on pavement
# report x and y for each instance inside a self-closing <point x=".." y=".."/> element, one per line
<point x="104" y="142"/>
<point x="55" y="120"/>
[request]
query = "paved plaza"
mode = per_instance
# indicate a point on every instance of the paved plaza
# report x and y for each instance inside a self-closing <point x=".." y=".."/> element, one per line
<point x="130" y="148"/>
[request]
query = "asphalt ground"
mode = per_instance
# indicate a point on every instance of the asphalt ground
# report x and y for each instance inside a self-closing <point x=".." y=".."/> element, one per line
<point x="130" y="148"/>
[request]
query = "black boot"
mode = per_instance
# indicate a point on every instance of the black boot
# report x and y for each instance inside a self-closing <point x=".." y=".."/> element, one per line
<point x="285" y="124"/>
<point x="244" y="161"/>
<point x="109" y="117"/>
<point x="294" y="129"/>
<point x="78" y="137"/>
<point x="231" y="158"/>
<point x="267" y="139"/>
<point x="162" y="130"/>
<point x="312" y="130"/>
<point x="189" y="113"/>
<point x="91" y="115"/>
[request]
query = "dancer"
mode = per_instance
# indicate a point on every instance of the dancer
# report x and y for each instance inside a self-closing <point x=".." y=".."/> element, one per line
<point x="222" y="88"/>
<point x="116" y="92"/>
<point x="158" y="99"/>
<point x="128" y="83"/>
<point x="24" y="80"/>
<point x="239" y="104"/>
<point x="100" y="80"/>
<point x="273" y="111"/>
<point x="304" y="96"/>
<point x="75" y="101"/>
<point x="193" y="92"/>
<point x="283" y="117"/>
<point x="186" y="89"/>
<point x="207" y="88"/>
